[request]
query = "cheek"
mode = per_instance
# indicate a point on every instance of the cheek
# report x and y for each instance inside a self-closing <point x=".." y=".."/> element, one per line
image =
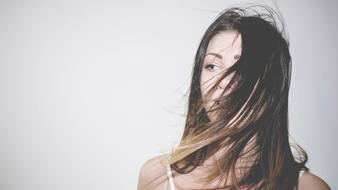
<point x="207" y="81"/>
<point x="204" y="83"/>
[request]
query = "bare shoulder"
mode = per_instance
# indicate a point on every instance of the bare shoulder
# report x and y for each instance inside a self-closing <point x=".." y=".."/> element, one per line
<point x="152" y="174"/>
<point x="310" y="181"/>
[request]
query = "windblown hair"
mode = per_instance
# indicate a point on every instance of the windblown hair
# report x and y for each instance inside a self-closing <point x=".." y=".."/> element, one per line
<point x="256" y="109"/>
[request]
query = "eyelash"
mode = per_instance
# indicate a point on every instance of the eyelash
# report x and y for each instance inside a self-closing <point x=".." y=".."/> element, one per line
<point x="207" y="65"/>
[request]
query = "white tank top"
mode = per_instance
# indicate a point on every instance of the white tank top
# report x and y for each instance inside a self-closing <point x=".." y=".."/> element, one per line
<point x="171" y="180"/>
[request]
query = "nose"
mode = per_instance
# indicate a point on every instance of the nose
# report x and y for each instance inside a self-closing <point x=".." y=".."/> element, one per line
<point x="223" y="84"/>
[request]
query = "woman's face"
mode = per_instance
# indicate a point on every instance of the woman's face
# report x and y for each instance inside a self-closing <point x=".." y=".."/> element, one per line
<point x="223" y="50"/>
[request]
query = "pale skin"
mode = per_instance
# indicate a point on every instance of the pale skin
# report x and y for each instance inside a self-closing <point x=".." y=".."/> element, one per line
<point x="223" y="50"/>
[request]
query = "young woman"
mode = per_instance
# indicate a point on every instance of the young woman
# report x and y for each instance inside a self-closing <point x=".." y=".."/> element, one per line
<point x="236" y="132"/>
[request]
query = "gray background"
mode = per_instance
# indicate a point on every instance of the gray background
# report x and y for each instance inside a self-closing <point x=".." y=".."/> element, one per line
<point x="90" y="90"/>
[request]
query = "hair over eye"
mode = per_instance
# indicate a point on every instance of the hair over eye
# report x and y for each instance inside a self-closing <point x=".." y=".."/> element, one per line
<point x="237" y="56"/>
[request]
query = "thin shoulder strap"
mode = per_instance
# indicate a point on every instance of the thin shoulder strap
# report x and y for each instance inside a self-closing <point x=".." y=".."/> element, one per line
<point x="170" y="176"/>
<point x="301" y="172"/>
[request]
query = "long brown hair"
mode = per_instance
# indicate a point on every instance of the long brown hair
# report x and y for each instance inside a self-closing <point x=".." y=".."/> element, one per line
<point x="255" y="110"/>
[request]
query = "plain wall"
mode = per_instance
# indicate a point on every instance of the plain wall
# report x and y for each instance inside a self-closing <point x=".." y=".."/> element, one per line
<point x="90" y="90"/>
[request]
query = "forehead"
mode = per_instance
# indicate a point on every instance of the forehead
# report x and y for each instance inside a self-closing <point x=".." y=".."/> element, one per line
<point x="225" y="42"/>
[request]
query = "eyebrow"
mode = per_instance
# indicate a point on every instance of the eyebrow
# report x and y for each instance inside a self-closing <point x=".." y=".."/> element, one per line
<point x="215" y="54"/>
<point x="220" y="56"/>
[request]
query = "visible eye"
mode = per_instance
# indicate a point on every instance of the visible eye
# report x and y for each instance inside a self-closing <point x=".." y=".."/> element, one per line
<point x="210" y="67"/>
<point x="237" y="56"/>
